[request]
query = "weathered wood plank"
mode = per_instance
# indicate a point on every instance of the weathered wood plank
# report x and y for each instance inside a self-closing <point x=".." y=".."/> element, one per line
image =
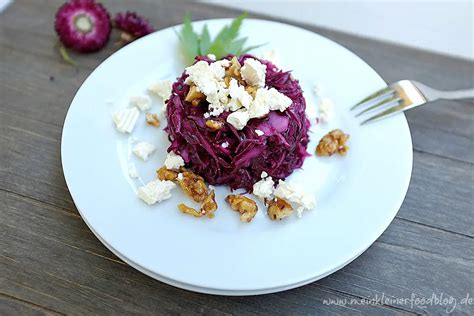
<point x="10" y="305"/>
<point x="441" y="194"/>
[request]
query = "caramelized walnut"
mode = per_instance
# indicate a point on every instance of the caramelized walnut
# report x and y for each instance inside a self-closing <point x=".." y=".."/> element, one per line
<point x="214" y="125"/>
<point x="193" y="185"/>
<point x="245" y="206"/>
<point x="209" y="205"/>
<point x="252" y="90"/>
<point x="333" y="142"/>
<point x="152" y="119"/>
<point x="166" y="174"/>
<point x="278" y="208"/>
<point x="194" y="96"/>
<point x="227" y="81"/>
<point x="234" y="69"/>
<point x="189" y="210"/>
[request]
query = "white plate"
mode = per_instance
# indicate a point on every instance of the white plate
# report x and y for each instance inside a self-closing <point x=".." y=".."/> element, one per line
<point x="358" y="195"/>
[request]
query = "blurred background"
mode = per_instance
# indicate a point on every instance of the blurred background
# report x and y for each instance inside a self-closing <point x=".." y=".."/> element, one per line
<point x="440" y="26"/>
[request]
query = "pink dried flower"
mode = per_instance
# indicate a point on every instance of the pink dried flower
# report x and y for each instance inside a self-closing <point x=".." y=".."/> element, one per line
<point x="83" y="25"/>
<point x="132" y="26"/>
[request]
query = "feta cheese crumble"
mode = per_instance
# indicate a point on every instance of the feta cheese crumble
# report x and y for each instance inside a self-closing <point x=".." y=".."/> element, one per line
<point x="155" y="191"/>
<point x="132" y="171"/>
<point x="295" y="194"/>
<point x="126" y="119"/>
<point x="208" y="79"/>
<point x="238" y="119"/>
<point x="142" y="102"/>
<point x="161" y="88"/>
<point x="259" y="132"/>
<point x="211" y="56"/>
<point x="143" y="150"/>
<point x="239" y="97"/>
<point x="264" y="188"/>
<point x="173" y="161"/>
<point x="225" y="144"/>
<point x="267" y="100"/>
<point x="326" y="110"/>
<point x="253" y="72"/>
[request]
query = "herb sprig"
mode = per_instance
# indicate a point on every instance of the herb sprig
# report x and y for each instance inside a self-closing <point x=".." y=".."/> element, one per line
<point x="226" y="42"/>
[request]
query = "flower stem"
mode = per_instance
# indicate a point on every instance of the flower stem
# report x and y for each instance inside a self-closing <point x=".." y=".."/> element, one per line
<point x="65" y="55"/>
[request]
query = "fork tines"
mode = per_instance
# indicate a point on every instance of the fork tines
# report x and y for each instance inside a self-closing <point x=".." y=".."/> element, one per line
<point x="381" y="99"/>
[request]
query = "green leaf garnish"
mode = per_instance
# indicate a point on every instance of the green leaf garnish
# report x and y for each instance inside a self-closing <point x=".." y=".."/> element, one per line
<point x="204" y="41"/>
<point x="226" y="41"/>
<point x="235" y="47"/>
<point x="226" y="36"/>
<point x="189" y="40"/>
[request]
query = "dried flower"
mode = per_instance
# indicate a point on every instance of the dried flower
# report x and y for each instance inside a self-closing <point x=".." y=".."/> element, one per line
<point x="83" y="25"/>
<point x="132" y="26"/>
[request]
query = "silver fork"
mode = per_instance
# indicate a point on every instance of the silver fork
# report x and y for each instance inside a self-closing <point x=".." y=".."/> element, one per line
<point x="403" y="95"/>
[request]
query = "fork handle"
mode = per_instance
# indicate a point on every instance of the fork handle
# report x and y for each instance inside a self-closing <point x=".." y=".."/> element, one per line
<point x="457" y="94"/>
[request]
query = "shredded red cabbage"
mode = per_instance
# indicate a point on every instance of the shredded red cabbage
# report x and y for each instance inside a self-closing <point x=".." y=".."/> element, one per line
<point x="278" y="152"/>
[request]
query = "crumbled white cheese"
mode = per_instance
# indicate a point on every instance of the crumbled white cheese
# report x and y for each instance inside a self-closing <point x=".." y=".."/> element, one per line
<point x="161" y="88"/>
<point x="277" y="100"/>
<point x="263" y="175"/>
<point x="311" y="111"/>
<point x="174" y="161"/>
<point x="263" y="188"/>
<point x="259" y="107"/>
<point x="218" y="68"/>
<point x="326" y="110"/>
<point x="180" y="176"/>
<point x="142" y="102"/>
<point x="211" y="56"/>
<point x="259" y="132"/>
<point x="272" y="56"/>
<point x="205" y="78"/>
<point x="307" y="202"/>
<point x="143" y="150"/>
<point x="239" y="97"/>
<point x="132" y="171"/>
<point x="267" y="100"/>
<point x="126" y="119"/>
<point x="253" y="72"/>
<point x="208" y="79"/>
<point x="216" y="108"/>
<point x="155" y="191"/>
<point x="295" y="194"/>
<point x="225" y="144"/>
<point x="238" y="119"/>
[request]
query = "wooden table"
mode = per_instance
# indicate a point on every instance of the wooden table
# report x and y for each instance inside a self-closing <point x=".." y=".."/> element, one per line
<point x="51" y="263"/>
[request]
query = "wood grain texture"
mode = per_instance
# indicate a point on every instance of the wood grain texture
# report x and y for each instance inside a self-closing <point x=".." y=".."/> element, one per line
<point x="50" y="262"/>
